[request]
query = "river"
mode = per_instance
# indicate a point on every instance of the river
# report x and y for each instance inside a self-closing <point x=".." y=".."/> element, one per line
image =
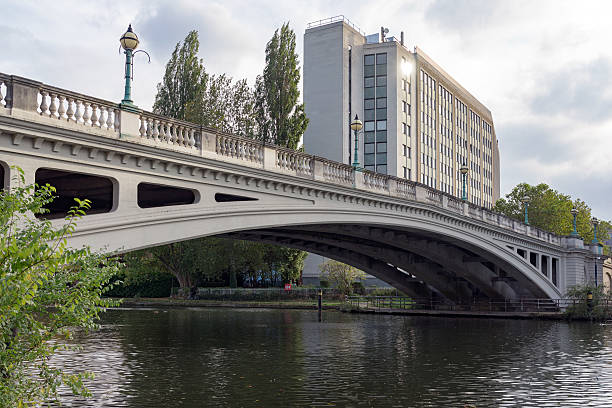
<point x="217" y="357"/>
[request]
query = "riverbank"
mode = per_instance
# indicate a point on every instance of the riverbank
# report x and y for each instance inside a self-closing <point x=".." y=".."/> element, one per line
<point x="333" y="305"/>
<point x="279" y="304"/>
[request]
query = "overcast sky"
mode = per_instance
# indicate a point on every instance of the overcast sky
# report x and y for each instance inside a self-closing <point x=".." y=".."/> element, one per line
<point x="543" y="68"/>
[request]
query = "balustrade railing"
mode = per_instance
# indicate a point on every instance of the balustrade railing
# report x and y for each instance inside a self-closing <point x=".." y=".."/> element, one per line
<point x="291" y="160"/>
<point x="375" y="181"/>
<point x="162" y="130"/>
<point x="67" y="107"/>
<point x="455" y="205"/>
<point x="239" y="148"/>
<point x="434" y="197"/>
<point x="339" y="173"/>
<point x="72" y="107"/>
<point x="406" y="189"/>
<point x="4" y="87"/>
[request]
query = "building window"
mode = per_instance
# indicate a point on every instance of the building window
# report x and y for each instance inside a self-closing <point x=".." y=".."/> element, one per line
<point x="368" y="104"/>
<point x="405" y="172"/>
<point x="381" y="147"/>
<point x="368" y="59"/>
<point x="381" y="58"/>
<point x="408" y="152"/>
<point x="404" y="128"/>
<point x="368" y="126"/>
<point x="369" y="148"/>
<point x="403" y="106"/>
<point x="381" y="103"/>
<point x="381" y="125"/>
<point x="368" y="82"/>
<point x="381" y="169"/>
<point x="381" y="80"/>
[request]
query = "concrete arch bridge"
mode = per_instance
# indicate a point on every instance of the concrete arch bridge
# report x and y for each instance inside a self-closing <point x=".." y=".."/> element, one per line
<point x="155" y="180"/>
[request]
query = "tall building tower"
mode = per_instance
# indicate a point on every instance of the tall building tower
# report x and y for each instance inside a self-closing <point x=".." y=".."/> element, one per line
<point x="419" y="123"/>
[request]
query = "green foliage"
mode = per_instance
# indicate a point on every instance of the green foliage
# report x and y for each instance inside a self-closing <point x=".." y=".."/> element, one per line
<point x="281" y="120"/>
<point x="341" y="275"/>
<point x="47" y="291"/>
<point x="184" y="80"/>
<point x="550" y="211"/>
<point x="580" y="309"/>
<point x="188" y="93"/>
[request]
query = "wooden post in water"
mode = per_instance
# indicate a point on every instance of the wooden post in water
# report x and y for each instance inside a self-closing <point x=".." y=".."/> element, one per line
<point x="320" y="304"/>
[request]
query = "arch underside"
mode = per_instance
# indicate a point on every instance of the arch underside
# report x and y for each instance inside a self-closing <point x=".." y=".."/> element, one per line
<point x="418" y="263"/>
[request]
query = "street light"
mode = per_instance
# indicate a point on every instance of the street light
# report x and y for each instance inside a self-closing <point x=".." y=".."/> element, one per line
<point x="574" y="214"/>
<point x="129" y="42"/>
<point x="595" y="222"/>
<point x="356" y="125"/>
<point x="526" y="201"/>
<point x="464" y="170"/>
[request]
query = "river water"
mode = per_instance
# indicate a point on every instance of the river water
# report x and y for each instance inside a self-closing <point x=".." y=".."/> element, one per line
<point x="286" y="358"/>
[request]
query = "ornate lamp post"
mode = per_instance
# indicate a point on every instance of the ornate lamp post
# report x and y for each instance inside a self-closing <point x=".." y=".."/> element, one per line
<point x="129" y="42"/>
<point x="526" y="201"/>
<point x="464" y="171"/>
<point x="595" y="222"/>
<point x="574" y="214"/>
<point x="356" y="125"/>
<point x="595" y="241"/>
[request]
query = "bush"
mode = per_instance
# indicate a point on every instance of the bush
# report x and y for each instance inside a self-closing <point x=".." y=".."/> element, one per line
<point x="324" y="283"/>
<point x="597" y="309"/>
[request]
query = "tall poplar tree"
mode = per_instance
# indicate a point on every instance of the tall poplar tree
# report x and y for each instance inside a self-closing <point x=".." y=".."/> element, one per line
<point x="184" y="82"/>
<point x="281" y="120"/>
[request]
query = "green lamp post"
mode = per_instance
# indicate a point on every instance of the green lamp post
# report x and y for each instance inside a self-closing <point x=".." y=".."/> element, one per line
<point x="526" y="201"/>
<point x="464" y="171"/>
<point x="595" y="223"/>
<point x="574" y="214"/>
<point x="356" y="125"/>
<point x="129" y="42"/>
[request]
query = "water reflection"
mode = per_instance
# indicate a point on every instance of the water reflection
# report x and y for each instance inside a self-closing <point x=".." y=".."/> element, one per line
<point x="272" y="358"/>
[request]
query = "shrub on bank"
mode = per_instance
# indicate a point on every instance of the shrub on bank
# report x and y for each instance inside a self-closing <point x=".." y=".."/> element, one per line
<point x="588" y="302"/>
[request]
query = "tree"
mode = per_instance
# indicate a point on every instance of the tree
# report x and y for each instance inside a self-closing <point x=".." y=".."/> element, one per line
<point x="47" y="291"/>
<point x="550" y="211"/>
<point x="184" y="81"/>
<point x="280" y="119"/>
<point x="190" y="262"/>
<point x="340" y="275"/>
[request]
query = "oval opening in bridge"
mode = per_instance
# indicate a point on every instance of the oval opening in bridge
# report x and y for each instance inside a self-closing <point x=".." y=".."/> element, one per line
<point x="225" y="198"/>
<point x="3" y="176"/>
<point x="71" y="185"/>
<point x="157" y="195"/>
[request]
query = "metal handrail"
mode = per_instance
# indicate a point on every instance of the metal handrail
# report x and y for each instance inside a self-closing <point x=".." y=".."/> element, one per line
<point x="334" y="19"/>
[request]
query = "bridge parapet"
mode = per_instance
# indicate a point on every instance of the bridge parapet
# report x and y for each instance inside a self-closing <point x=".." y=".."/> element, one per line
<point x="25" y="99"/>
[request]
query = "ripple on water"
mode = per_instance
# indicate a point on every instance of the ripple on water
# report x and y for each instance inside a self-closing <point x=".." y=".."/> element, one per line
<point x="277" y="358"/>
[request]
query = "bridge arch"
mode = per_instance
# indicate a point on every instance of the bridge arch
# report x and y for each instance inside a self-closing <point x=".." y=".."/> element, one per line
<point x="404" y="250"/>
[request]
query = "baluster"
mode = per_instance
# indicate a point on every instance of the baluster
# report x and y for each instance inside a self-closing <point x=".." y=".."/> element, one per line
<point x="43" y="103"/>
<point x="86" y="113"/>
<point x="109" y="118"/>
<point x="102" y="118"/>
<point x="53" y="106"/>
<point x="163" y="134"/>
<point x="143" y="128"/>
<point x="2" y="101"/>
<point x="149" y="123"/>
<point x="155" y="130"/>
<point x="180" y="136"/>
<point x="192" y="140"/>
<point x="117" y="124"/>
<point x="70" y="111"/>
<point x="78" y="112"/>
<point x="94" y="115"/>
<point x="62" y="109"/>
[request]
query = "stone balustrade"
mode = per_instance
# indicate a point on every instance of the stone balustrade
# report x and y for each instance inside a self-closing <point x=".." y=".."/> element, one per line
<point x="375" y="181"/>
<point x="295" y="162"/>
<point x="161" y="131"/>
<point x="72" y="107"/>
<point x="26" y="99"/>
<point x="337" y="173"/>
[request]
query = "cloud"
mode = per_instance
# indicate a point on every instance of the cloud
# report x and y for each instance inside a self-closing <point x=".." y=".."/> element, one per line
<point x="581" y="91"/>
